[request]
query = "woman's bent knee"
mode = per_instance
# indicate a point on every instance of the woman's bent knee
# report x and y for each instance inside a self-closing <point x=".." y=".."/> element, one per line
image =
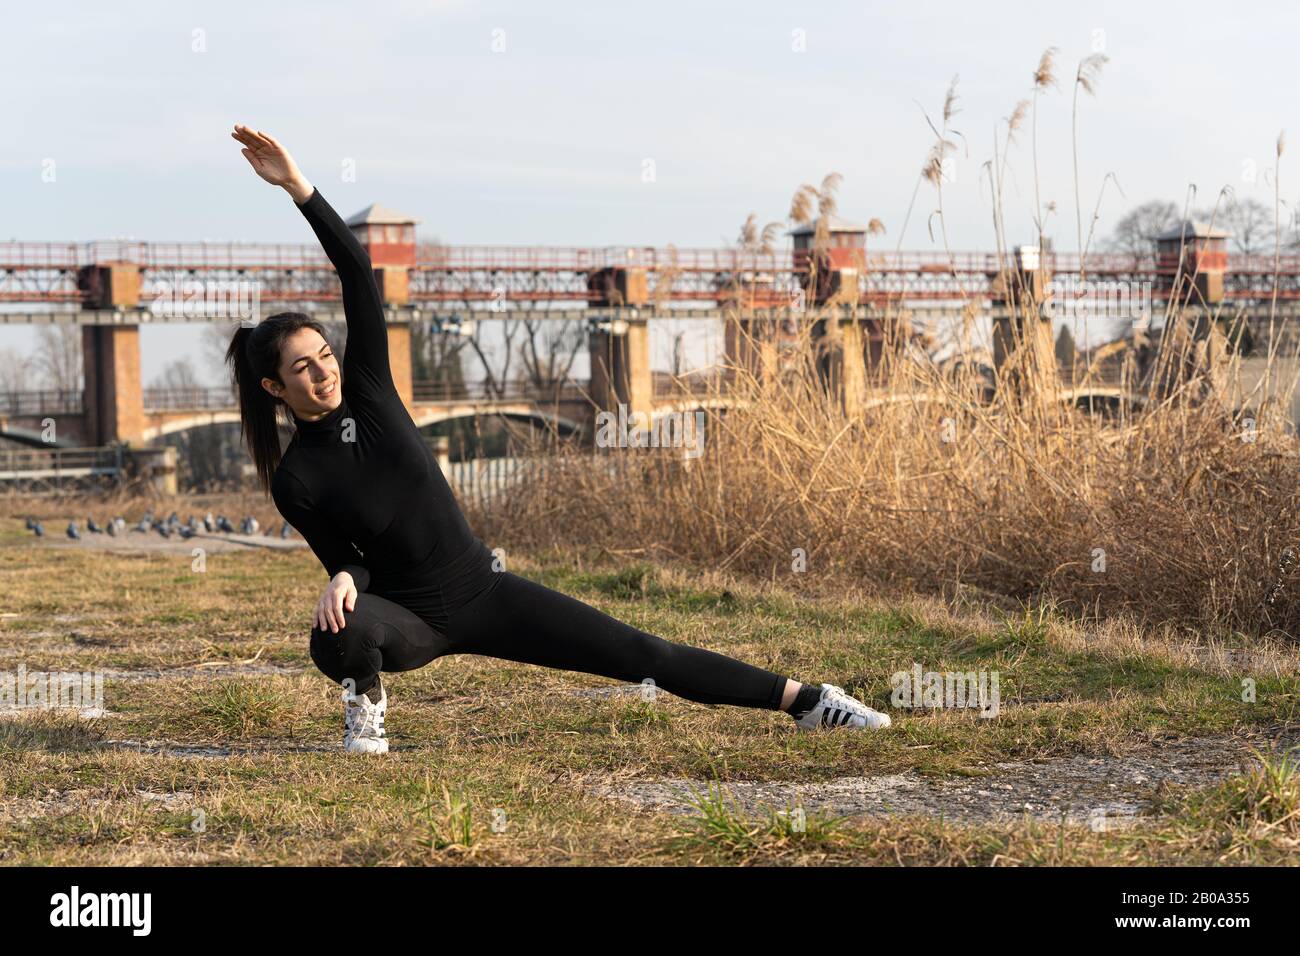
<point x="331" y="650"/>
<point x="326" y="654"/>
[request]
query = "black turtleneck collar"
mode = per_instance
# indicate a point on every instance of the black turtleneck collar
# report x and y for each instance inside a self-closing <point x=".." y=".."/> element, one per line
<point x="324" y="430"/>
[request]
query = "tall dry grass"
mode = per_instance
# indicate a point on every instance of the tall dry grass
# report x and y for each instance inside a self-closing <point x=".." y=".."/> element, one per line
<point x="1169" y="515"/>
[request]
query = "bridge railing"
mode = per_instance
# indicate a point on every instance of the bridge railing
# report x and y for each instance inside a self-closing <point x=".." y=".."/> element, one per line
<point x="66" y="459"/>
<point x="51" y="470"/>
<point x="667" y="385"/>
<point x="441" y="391"/>
<point x="222" y="397"/>
<point x="186" y="398"/>
<point x="238" y="255"/>
<point x="41" y="402"/>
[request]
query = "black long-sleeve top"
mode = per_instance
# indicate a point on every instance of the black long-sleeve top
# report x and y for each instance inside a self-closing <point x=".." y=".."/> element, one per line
<point x="360" y="484"/>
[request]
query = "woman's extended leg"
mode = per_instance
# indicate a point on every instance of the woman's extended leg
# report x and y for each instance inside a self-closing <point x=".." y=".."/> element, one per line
<point x="520" y="620"/>
<point x="380" y="636"/>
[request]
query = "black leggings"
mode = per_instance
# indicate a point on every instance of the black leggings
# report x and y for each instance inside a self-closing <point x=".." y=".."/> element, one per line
<point x="519" y="620"/>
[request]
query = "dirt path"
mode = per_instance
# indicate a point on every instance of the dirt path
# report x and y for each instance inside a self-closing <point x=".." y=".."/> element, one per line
<point x="151" y="542"/>
<point x="1100" y="792"/>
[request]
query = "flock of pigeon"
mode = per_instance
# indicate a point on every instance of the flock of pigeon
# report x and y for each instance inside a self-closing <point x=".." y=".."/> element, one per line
<point x="164" y="526"/>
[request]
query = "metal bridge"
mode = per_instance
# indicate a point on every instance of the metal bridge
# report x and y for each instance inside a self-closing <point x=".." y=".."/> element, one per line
<point x="111" y="289"/>
<point x="495" y="280"/>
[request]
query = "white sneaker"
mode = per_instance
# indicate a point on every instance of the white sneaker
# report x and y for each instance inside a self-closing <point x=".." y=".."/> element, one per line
<point x="838" y="709"/>
<point x="363" y="722"/>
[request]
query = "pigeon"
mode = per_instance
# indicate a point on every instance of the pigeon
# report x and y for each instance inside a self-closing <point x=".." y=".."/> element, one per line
<point x="31" y="523"/>
<point x="93" y="526"/>
<point x="223" y="523"/>
<point x="38" y="529"/>
<point x="187" y="531"/>
<point x="112" y="528"/>
<point x="143" y="525"/>
<point x="284" y="529"/>
<point x="209" y="523"/>
<point x="249" y="525"/>
<point x="73" y="533"/>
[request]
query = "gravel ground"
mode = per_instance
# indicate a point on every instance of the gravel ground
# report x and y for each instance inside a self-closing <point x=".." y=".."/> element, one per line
<point x="1101" y="792"/>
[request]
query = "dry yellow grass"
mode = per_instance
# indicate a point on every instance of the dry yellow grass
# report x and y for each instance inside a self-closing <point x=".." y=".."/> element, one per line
<point x="1177" y="515"/>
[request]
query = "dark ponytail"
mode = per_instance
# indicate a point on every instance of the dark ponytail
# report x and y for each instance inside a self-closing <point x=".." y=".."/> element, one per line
<point x="254" y="354"/>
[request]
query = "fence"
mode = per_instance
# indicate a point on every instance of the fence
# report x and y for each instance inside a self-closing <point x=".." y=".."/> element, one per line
<point x="55" y="470"/>
<point x="424" y="390"/>
<point x="482" y="482"/>
<point x="47" y="401"/>
<point x="187" y="398"/>
<point x="38" y="471"/>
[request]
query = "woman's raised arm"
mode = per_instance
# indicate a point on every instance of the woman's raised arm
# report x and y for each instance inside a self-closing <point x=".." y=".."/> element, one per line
<point x="365" y="361"/>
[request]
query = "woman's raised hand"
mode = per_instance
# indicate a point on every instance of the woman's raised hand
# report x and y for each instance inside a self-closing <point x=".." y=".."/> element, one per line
<point x="272" y="161"/>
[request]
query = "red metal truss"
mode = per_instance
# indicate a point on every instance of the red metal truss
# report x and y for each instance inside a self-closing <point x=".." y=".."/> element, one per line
<point x="47" y="272"/>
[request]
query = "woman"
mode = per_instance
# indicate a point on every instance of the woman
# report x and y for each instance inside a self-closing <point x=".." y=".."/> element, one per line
<point x="409" y="581"/>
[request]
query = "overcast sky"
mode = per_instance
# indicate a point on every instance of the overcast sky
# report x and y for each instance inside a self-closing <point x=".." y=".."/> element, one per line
<point x="536" y="123"/>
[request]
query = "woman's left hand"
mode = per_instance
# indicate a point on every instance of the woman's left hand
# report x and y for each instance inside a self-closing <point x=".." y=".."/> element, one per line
<point x="272" y="162"/>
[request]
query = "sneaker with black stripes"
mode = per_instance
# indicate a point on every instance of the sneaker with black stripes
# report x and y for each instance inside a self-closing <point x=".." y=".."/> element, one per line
<point x="838" y="709"/>
<point x="363" y="721"/>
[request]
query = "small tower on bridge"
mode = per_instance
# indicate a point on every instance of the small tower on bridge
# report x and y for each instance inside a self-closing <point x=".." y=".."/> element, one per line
<point x="830" y="256"/>
<point x="1196" y="253"/>
<point x="1191" y="259"/>
<point x="838" y="259"/>
<point x="388" y="235"/>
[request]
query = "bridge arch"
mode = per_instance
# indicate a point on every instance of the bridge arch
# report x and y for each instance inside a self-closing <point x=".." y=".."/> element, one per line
<point x="1104" y="398"/>
<point x="424" y="417"/>
<point x="186" y="422"/>
<point x="678" y="406"/>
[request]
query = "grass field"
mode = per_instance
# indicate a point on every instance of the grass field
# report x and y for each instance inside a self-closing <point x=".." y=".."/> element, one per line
<point x="222" y="743"/>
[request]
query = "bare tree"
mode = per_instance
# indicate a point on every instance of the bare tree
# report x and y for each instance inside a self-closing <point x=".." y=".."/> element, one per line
<point x="203" y="453"/>
<point x="179" y="373"/>
<point x="58" y="356"/>
<point x="1135" y="232"/>
<point x="549" y="350"/>
<point x="1251" y="223"/>
<point x="437" y="357"/>
<point x="213" y="342"/>
<point x="497" y="373"/>
<point x="15" y="371"/>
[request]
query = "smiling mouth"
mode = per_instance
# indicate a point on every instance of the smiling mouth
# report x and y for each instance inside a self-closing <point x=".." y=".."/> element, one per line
<point x="327" y="391"/>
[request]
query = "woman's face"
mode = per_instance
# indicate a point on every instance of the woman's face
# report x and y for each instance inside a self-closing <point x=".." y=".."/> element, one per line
<point x="310" y="374"/>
